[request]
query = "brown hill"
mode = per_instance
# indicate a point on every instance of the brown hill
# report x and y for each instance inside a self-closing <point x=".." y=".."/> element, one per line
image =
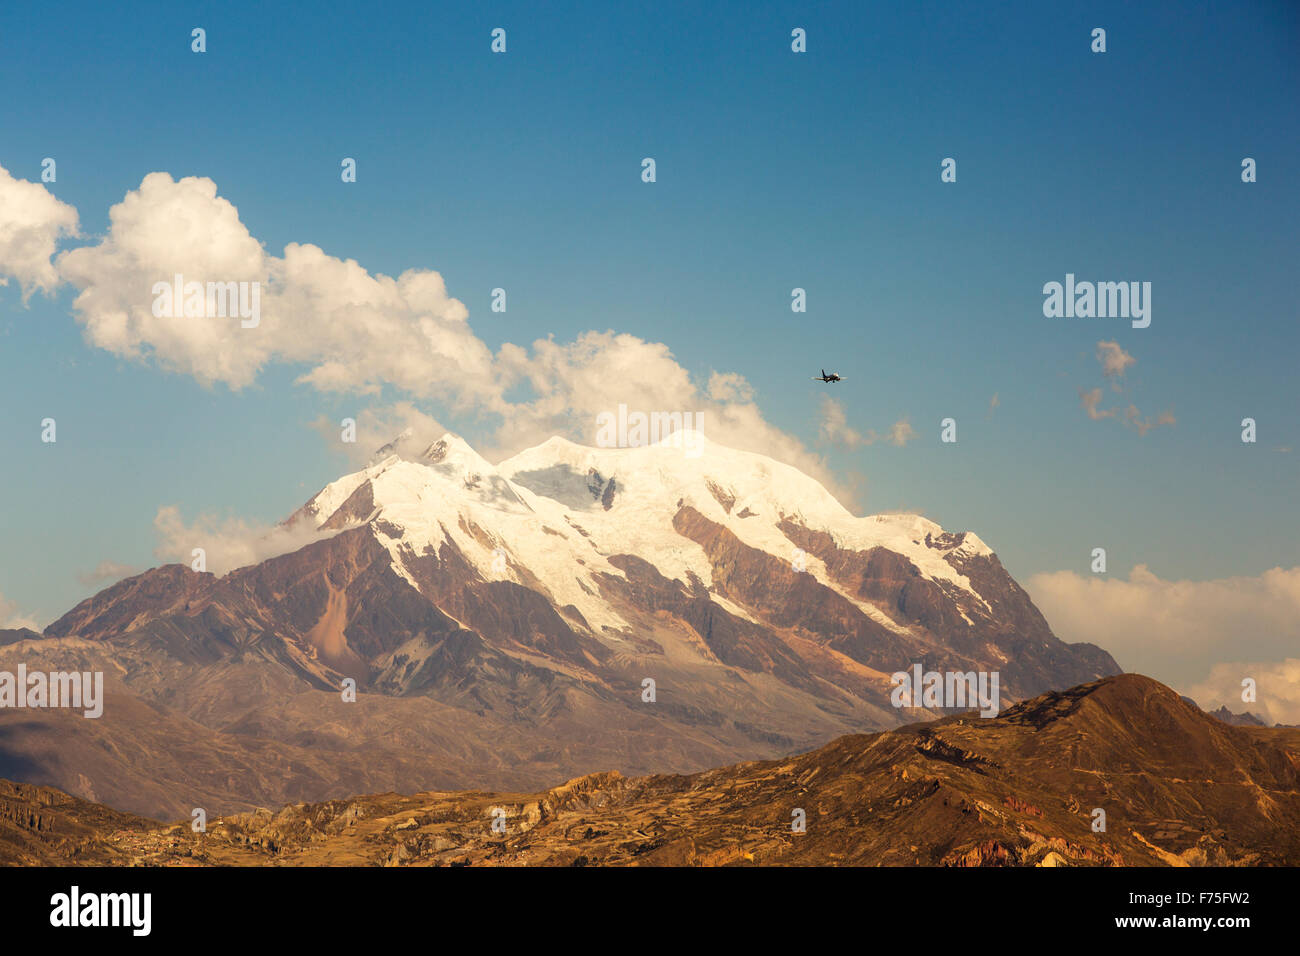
<point x="1177" y="787"/>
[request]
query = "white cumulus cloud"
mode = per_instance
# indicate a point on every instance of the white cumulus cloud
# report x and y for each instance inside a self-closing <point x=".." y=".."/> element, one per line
<point x="32" y="221"/>
<point x="364" y="333"/>
<point x="355" y="331"/>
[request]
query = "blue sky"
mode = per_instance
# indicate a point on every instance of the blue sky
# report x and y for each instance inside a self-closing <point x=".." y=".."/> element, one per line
<point x="775" y="170"/>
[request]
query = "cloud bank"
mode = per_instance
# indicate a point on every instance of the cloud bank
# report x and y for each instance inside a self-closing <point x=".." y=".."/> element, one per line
<point x="1277" y="690"/>
<point x="1183" y="632"/>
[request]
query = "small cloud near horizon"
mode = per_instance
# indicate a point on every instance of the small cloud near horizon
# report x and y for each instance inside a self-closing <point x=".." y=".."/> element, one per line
<point x="107" y="572"/>
<point x="12" y="619"/>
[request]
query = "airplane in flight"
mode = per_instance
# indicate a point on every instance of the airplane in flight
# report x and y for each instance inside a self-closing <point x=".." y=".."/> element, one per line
<point x="827" y="378"/>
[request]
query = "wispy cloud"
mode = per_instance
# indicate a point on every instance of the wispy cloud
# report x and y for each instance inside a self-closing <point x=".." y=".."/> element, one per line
<point x="11" y="617"/>
<point x="107" y="572"/>
<point x="1134" y="419"/>
<point x="834" y="429"/>
<point x="1115" y="363"/>
<point x="1090" y="400"/>
<point x="1114" y="360"/>
<point x="228" y="543"/>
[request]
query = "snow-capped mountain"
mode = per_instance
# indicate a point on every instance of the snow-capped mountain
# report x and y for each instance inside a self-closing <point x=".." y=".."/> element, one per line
<point x="555" y="515"/>
<point x="759" y="543"/>
<point x="502" y="622"/>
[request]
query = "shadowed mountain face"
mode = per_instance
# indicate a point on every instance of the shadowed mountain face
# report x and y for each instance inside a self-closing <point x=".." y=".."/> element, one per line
<point x="501" y="623"/>
<point x="1177" y="788"/>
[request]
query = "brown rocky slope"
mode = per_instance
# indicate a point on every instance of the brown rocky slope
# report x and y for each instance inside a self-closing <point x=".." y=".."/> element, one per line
<point x="1178" y="788"/>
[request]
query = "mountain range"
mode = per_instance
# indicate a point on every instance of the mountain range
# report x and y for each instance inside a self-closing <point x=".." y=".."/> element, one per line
<point x="659" y="609"/>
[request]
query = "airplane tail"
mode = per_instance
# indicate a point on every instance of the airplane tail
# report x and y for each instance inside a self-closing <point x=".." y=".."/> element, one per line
<point x="823" y="373"/>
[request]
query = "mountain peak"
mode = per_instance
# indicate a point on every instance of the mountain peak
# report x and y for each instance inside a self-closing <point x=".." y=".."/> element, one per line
<point x="451" y="447"/>
<point x="425" y="449"/>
